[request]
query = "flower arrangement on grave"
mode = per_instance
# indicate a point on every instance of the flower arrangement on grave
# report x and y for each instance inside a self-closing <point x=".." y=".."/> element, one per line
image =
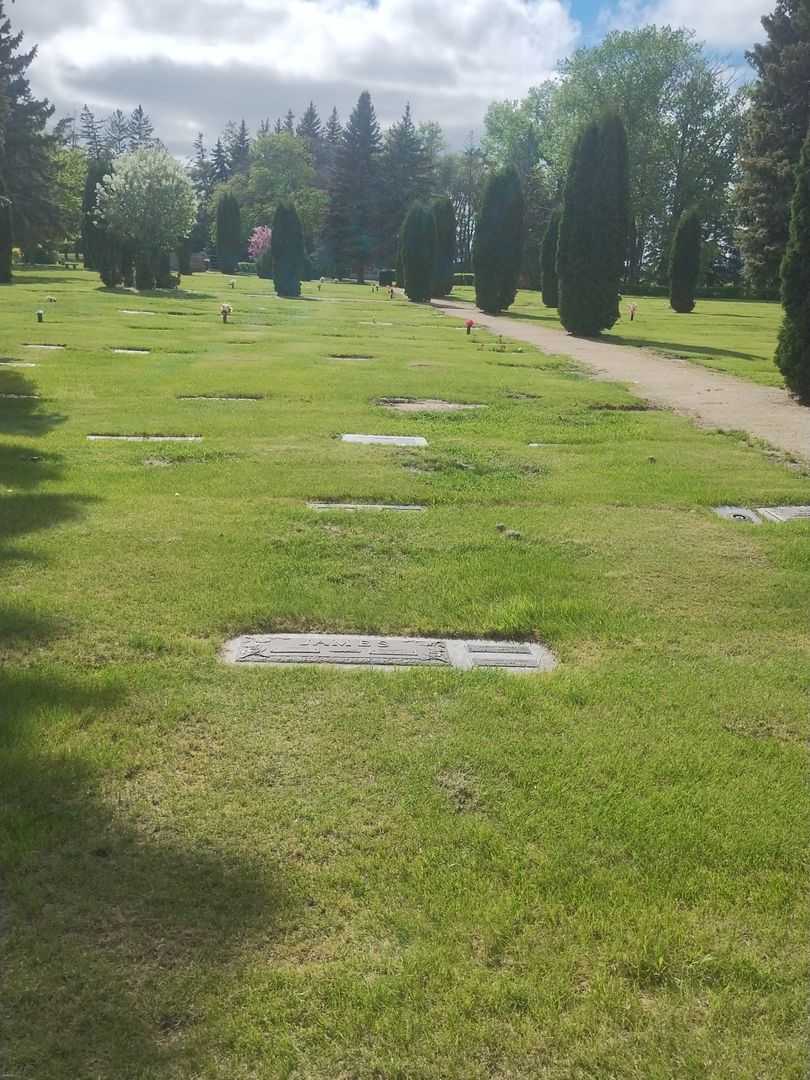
<point x="470" y="323"/>
<point x="225" y="311"/>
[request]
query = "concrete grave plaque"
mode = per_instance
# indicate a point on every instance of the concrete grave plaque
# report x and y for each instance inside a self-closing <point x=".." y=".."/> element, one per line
<point x="220" y="397"/>
<point x="373" y="322"/>
<point x="132" y="352"/>
<point x="364" y="506"/>
<point x="784" y="513"/>
<point x="26" y="346"/>
<point x="145" y="438"/>
<point x="369" y="651"/>
<point x="16" y="363"/>
<point x="425" y="405"/>
<point x="386" y="440"/>
<point x="135" y="311"/>
<point x="26" y="396"/>
<point x="738" y="513"/>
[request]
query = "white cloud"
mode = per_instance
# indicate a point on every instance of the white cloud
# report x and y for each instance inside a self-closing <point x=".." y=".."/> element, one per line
<point x="722" y="24"/>
<point x="186" y="58"/>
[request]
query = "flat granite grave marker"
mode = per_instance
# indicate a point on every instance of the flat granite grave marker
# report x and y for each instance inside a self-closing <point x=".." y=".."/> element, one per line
<point x="436" y="405"/>
<point x="132" y="352"/>
<point x="404" y="507"/>
<point x="781" y="514"/>
<point x="369" y="651"/>
<point x="737" y="513"/>
<point x="145" y="438"/>
<point x="27" y="346"/>
<point x="16" y="363"/>
<point x="386" y="440"/>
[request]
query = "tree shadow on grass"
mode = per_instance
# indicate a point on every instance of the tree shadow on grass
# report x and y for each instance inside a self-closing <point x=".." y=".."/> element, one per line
<point x="114" y="923"/>
<point x="678" y="346"/>
<point x="69" y="276"/>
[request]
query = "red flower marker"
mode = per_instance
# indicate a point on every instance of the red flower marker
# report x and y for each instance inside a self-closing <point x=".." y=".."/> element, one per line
<point x="470" y="323"/>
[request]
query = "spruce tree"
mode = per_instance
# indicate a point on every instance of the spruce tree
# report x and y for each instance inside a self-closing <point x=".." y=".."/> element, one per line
<point x="592" y="240"/>
<point x="352" y="216"/>
<point x="444" y="215"/>
<point x="6" y="236"/>
<point x="287" y="250"/>
<point x="793" y="349"/>
<point x="229" y="233"/>
<point x="309" y="126"/>
<point x="404" y="178"/>
<point x="498" y="245"/>
<point x="289" y="122"/>
<point x="116" y="134"/>
<point x="220" y="169"/>
<point x="93" y="240"/>
<point x="684" y="267"/>
<point x="141" y="130"/>
<point x="91" y="132"/>
<point x="333" y="131"/>
<point x="418" y="252"/>
<point x="548" y="262"/>
<point x="237" y="148"/>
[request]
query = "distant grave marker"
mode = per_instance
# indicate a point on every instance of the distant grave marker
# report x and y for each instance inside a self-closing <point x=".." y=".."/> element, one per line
<point x="132" y="352"/>
<point x="28" y="346"/>
<point x="370" y="651"/>
<point x="738" y="513"/>
<point x="386" y="440"/>
<point x="434" y="405"/>
<point x="400" y="508"/>
<point x="782" y="514"/>
<point x="16" y="363"/>
<point x="25" y="396"/>
<point x="220" y="397"/>
<point x="135" y="311"/>
<point x="145" y="438"/>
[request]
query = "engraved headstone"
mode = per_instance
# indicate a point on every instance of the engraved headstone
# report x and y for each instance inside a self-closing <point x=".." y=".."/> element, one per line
<point x="784" y="513"/>
<point x="738" y="513"/>
<point x="371" y="651"/>
<point x="386" y="440"/>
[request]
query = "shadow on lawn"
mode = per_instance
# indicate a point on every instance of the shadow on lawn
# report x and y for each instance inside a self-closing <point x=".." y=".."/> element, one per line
<point x="108" y="911"/>
<point x="678" y="347"/>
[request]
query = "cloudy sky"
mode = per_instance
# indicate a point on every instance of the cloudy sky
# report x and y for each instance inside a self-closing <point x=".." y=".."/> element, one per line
<point x="194" y="64"/>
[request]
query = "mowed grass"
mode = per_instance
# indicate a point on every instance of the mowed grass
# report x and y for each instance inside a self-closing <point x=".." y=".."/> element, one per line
<point x="734" y="336"/>
<point x="315" y="873"/>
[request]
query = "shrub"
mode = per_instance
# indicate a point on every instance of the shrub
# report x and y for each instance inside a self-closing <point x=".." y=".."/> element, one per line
<point x="684" y="266"/>
<point x="418" y="252"/>
<point x="548" y="262"/>
<point x="6" y="238"/>
<point x="229" y="233"/>
<point x="498" y="246"/>
<point x="793" y="349"/>
<point x="445" y="217"/>
<point x="288" y="250"/>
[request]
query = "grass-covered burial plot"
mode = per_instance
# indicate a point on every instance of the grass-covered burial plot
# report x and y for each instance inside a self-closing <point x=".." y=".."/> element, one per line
<point x="413" y="870"/>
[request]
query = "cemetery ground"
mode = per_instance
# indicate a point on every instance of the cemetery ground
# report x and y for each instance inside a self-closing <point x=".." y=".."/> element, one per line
<point x="310" y="872"/>
<point x="737" y="337"/>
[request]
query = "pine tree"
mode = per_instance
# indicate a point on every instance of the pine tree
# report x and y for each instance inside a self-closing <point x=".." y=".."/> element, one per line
<point x="6" y="236"/>
<point x="776" y="124"/>
<point x="309" y="126"/>
<point x="548" y="261"/>
<point x="229" y="233"/>
<point x="498" y="246"/>
<point x="27" y="151"/>
<point x="592" y="240"/>
<point x="265" y="127"/>
<point x="287" y="250"/>
<point x="91" y="132"/>
<point x="333" y="131"/>
<point x="417" y="256"/>
<point x="278" y="128"/>
<point x="793" y="350"/>
<point x="684" y="267"/>
<point x="444" y="216"/>
<point x="352" y="216"/>
<point x="220" y="169"/>
<point x="116" y="134"/>
<point x="141" y="130"/>
<point x="200" y="171"/>
<point x="289" y="122"/>
<point x="93" y="239"/>
<point x="237" y="148"/>
<point x="405" y="177"/>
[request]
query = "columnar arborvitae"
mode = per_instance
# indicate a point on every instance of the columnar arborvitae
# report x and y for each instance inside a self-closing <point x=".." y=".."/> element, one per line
<point x="548" y="262"/>
<point x="418" y="252"/>
<point x="93" y="240"/>
<point x="592" y="243"/>
<point x="229" y="233"/>
<point x="444" y="215"/>
<point x="6" y="236"/>
<point x="684" y="267"/>
<point x="287" y="250"/>
<point x="793" y="350"/>
<point x="498" y="245"/>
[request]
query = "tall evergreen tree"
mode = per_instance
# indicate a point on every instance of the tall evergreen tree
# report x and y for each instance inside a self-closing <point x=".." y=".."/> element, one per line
<point x="28" y="159"/>
<point x="498" y="245"/>
<point x="309" y="126"/>
<point x="548" y="261"/>
<point x="776" y="125"/>
<point x="238" y="149"/>
<point x="536" y="216"/>
<point x="289" y="122"/>
<point x="229" y="233"/>
<point x="684" y="267"/>
<point x="592" y="242"/>
<point x="351" y="222"/>
<point x="6" y="236"/>
<point x="444" y="215"/>
<point x="141" y="130"/>
<point x="116" y="134"/>
<point x="201" y="175"/>
<point x="278" y="127"/>
<point x="93" y="238"/>
<point x="793" y="350"/>
<point x="220" y="168"/>
<point x="405" y="177"/>
<point x="333" y="131"/>
<point x="417" y="257"/>
<point x="287" y="250"/>
<point x="91" y="131"/>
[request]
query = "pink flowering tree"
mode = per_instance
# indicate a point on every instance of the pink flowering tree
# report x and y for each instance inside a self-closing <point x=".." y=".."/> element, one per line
<point x="259" y="242"/>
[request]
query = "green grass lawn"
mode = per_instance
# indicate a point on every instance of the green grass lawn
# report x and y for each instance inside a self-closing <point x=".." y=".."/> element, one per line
<point x="321" y="874"/>
<point x="735" y="336"/>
